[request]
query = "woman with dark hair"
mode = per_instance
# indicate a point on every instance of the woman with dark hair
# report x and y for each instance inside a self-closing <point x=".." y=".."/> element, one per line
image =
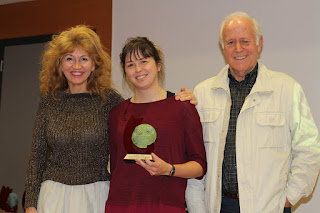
<point x="167" y="133"/>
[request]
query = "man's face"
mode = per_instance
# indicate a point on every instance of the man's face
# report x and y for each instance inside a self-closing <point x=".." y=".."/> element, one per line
<point x="240" y="48"/>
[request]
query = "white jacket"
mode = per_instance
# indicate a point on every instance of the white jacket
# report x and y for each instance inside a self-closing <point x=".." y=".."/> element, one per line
<point x="277" y="144"/>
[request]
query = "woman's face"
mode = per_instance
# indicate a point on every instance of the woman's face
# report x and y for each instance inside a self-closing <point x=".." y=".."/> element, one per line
<point x="142" y="72"/>
<point x="77" y="67"/>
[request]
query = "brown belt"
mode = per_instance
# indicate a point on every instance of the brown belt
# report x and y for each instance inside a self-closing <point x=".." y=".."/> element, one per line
<point x="231" y="195"/>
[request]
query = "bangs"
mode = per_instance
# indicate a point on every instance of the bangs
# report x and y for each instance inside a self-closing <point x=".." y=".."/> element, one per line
<point x="78" y="42"/>
<point x="139" y="48"/>
<point x="137" y="52"/>
<point x="72" y="47"/>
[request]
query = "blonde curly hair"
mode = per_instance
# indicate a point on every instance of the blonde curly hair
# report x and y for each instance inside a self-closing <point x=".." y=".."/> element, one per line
<point x="81" y="36"/>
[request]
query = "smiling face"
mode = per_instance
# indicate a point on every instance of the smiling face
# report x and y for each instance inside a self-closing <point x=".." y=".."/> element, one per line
<point x="240" y="48"/>
<point x="141" y="71"/>
<point x="77" y="67"/>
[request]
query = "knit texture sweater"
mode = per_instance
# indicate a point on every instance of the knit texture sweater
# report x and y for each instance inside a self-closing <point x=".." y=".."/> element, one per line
<point x="70" y="141"/>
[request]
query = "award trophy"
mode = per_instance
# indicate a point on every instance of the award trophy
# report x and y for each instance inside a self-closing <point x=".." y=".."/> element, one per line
<point x="139" y="140"/>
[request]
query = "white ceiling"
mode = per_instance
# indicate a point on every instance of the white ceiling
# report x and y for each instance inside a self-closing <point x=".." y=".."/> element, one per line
<point x="12" y="1"/>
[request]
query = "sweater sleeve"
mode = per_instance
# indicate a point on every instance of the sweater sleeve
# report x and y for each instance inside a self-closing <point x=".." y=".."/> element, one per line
<point x="37" y="158"/>
<point x="117" y="98"/>
<point x="193" y="137"/>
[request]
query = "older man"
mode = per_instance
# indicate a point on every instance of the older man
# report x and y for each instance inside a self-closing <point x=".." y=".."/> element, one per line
<point x="262" y="144"/>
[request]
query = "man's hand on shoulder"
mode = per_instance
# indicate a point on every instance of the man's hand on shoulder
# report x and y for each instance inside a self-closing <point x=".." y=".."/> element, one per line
<point x="186" y="95"/>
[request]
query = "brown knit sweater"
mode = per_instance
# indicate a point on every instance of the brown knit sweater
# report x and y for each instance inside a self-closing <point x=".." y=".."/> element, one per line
<point x="70" y="141"/>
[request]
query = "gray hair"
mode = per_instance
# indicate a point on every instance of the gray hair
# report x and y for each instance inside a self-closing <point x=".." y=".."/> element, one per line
<point x="257" y="26"/>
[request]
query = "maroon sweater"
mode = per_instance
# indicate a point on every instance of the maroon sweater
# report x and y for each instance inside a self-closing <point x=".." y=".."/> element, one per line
<point x="179" y="140"/>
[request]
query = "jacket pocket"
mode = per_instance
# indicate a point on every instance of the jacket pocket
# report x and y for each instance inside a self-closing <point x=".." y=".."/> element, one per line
<point x="210" y="124"/>
<point x="271" y="129"/>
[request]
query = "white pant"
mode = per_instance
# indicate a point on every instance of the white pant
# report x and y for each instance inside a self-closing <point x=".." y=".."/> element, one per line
<point x="56" y="197"/>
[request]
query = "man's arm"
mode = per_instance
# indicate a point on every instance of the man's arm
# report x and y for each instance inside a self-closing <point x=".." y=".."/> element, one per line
<point x="195" y="196"/>
<point x="305" y="150"/>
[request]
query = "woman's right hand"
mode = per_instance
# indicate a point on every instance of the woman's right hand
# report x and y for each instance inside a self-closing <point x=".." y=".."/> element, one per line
<point x="155" y="168"/>
<point x="31" y="210"/>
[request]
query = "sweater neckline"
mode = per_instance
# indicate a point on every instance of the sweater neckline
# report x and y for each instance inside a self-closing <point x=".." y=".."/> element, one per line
<point x="73" y="95"/>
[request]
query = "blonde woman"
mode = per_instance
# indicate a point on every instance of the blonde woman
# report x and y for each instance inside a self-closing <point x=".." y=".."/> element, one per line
<point x="67" y="168"/>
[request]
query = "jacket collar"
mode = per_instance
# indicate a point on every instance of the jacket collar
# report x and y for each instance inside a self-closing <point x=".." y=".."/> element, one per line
<point x="262" y="85"/>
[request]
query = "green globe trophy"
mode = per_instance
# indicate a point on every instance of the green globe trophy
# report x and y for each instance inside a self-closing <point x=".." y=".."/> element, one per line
<point x="139" y="140"/>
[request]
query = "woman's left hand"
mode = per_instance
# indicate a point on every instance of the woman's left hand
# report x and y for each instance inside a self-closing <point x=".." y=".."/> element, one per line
<point x="185" y="95"/>
<point x="158" y="167"/>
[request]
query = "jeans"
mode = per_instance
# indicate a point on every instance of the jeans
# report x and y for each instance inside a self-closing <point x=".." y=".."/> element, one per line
<point x="229" y="205"/>
<point x="287" y="210"/>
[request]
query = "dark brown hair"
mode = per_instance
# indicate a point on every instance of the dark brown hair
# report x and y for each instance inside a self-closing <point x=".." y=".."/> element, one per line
<point x="142" y="46"/>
